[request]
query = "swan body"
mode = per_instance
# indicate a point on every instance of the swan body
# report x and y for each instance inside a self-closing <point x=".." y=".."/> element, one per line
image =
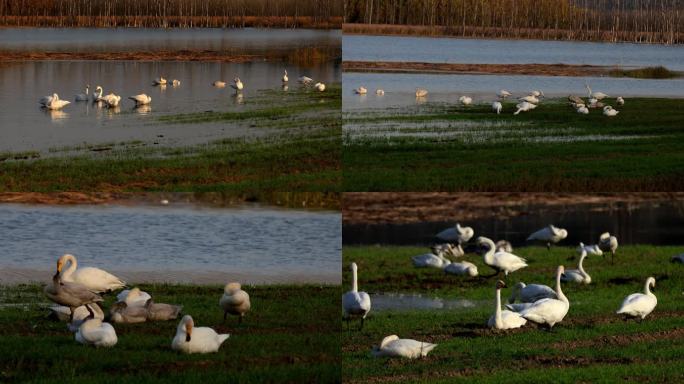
<point x="448" y="249"/>
<point x="356" y="303"/>
<point x="175" y="83"/>
<point x="191" y="339"/>
<point x="320" y="87"/>
<point x="501" y="261"/>
<point x="133" y="297"/>
<point x="503" y="245"/>
<point x="285" y="78"/>
<point x="393" y="346"/>
<point x="503" y="94"/>
<point x="161" y="311"/>
<point x="123" y="313"/>
<point x="456" y="234"/>
<point x="160" y="81"/>
<point x="234" y="301"/>
<point x="380" y="92"/>
<point x="237" y="84"/>
<point x="219" y="84"/>
<point x="94" y="279"/>
<point x="141" y="99"/>
<point x="305" y="80"/>
<point x="57" y="104"/>
<point x="465" y="100"/>
<point x="620" y="100"/>
<point x="83" y="96"/>
<point x="640" y="304"/>
<point x="524" y="107"/>
<point x="63" y="313"/>
<point x="497" y="107"/>
<point x="608" y="243"/>
<point x="421" y="92"/>
<point x="504" y="319"/>
<point x="97" y="94"/>
<point x="72" y="295"/>
<point x="549" y="235"/>
<point x="361" y="91"/>
<point x="583" y="110"/>
<point x="549" y="311"/>
<point x="590" y="249"/>
<point x="530" y="99"/>
<point x="595" y="95"/>
<point x="575" y="99"/>
<point x="111" y="100"/>
<point x="609" y="111"/>
<point x="578" y="275"/>
<point x="430" y="260"/>
<point x="519" y="307"/>
<point x="45" y="100"/>
<point x="95" y="332"/>
<point x="462" y="268"/>
<point x="531" y="293"/>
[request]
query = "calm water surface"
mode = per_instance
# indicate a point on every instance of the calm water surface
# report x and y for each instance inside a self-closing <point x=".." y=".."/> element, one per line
<point x="167" y="243"/>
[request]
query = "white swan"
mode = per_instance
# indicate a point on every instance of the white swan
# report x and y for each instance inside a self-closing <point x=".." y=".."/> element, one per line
<point x="380" y="92"/>
<point x="531" y="293"/>
<point x="237" y="84"/>
<point x="133" y="297"/>
<point x="355" y="303"/>
<point x="465" y="100"/>
<point x="320" y="87"/>
<point x="501" y="261"/>
<point x="537" y="93"/>
<point x="608" y="243"/>
<point x="433" y="260"/>
<point x="549" y="311"/>
<point x="141" y="99"/>
<point x="609" y="111"/>
<point x="503" y="94"/>
<point x="83" y="96"/>
<point x="361" y="91"/>
<point x="305" y="80"/>
<point x="640" y="304"/>
<point x="590" y="249"/>
<point x="45" y="100"/>
<point x="234" y="301"/>
<point x="578" y="275"/>
<point x="456" y="234"/>
<point x="421" y="92"/>
<point x="393" y="346"/>
<point x="191" y="339"/>
<point x="285" y="78"/>
<point x="94" y="332"/>
<point x="583" y="110"/>
<point x="524" y="107"/>
<point x="620" y="100"/>
<point x="497" y="107"/>
<point x="549" y="235"/>
<point x="461" y="268"/>
<point x="111" y="100"/>
<point x="448" y="249"/>
<point x="530" y="99"/>
<point x="94" y="279"/>
<point x="57" y="104"/>
<point x="219" y="84"/>
<point x="504" y="245"/>
<point x="63" y="313"/>
<point x="175" y="83"/>
<point x="504" y="319"/>
<point x="595" y="95"/>
<point x="160" y="81"/>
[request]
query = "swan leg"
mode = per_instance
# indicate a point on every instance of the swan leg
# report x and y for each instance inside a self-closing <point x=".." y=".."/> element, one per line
<point x="225" y="313"/>
<point x="361" y="326"/>
<point x="612" y="258"/>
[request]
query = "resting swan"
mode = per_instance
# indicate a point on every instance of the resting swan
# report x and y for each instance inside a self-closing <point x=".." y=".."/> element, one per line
<point x="421" y="92"/>
<point x="640" y="304"/>
<point x="393" y="346"/>
<point x="462" y="268"/>
<point x="549" y="311"/>
<point x="465" y="100"/>
<point x="161" y="311"/>
<point x="133" y="297"/>
<point x="531" y="293"/>
<point x="63" y="313"/>
<point x="578" y="275"/>
<point x="355" y="303"/>
<point x="57" y="104"/>
<point x="141" y="99"/>
<point x="191" y="339"/>
<point x="500" y="261"/>
<point x="361" y="91"/>
<point x="123" y="313"/>
<point x="549" y="235"/>
<point x="504" y="319"/>
<point x="457" y="234"/>
<point x="524" y="107"/>
<point x="503" y="94"/>
<point x="590" y="249"/>
<point x="94" y="332"/>
<point x="94" y="279"/>
<point x="237" y="84"/>
<point x="234" y="301"/>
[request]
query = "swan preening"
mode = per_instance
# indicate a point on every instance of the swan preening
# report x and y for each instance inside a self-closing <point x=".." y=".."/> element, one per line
<point x="457" y="234"/>
<point x="69" y="294"/>
<point x="421" y="92"/>
<point x="609" y="111"/>
<point x="435" y="259"/>
<point x="524" y="107"/>
<point x="497" y="107"/>
<point x="500" y="260"/>
<point x="111" y="100"/>
<point x="53" y="102"/>
<point x="530" y="99"/>
<point x="361" y="91"/>
<point x="93" y="331"/>
<point x="549" y="235"/>
<point x="608" y="243"/>
<point x="620" y="100"/>
<point x="549" y="311"/>
<point x="133" y="297"/>
<point x="504" y="319"/>
<point x="578" y="275"/>
<point x="355" y="303"/>
<point x="191" y="339"/>
<point x="141" y="99"/>
<point x="234" y="301"/>
<point x="640" y="304"/>
<point x="237" y="84"/>
<point x="94" y="279"/>
<point x="285" y="79"/>
<point x="393" y="346"/>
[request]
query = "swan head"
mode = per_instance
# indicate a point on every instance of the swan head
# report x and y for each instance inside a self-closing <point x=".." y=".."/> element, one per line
<point x="62" y="260"/>
<point x="561" y="270"/>
<point x="188" y="324"/>
<point x="651" y="282"/>
<point x="353" y="267"/>
<point x="232" y="287"/>
<point x="500" y="284"/>
<point x="472" y="271"/>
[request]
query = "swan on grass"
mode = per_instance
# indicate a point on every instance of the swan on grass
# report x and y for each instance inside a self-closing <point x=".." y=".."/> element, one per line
<point x="448" y="249"/>
<point x="94" y="332"/>
<point x="530" y="99"/>
<point x="594" y="249"/>
<point x="500" y="261"/>
<point x="504" y="319"/>
<point x="582" y="109"/>
<point x="524" y="107"/>
<point x="497" y="107"/>
<point x="465" y="100"/>
<point x="393" y="346"/>
<point x="609" y="111"/>
<point x="133" y="297"/>
<point x="608" y="243"/>
<point x="549" y="311"/>
<point x="83" y="96"/>
<point x="502" y="94"/>
<point x="457" y="234"/>
<point x="531" y="293"/>
<point x="320" y="87"/>
<point x="504" y="245"/>
<point x="432" y="260"/>
<point x="620" y="100"/>
<point x="121" y="312"/>
<point x="234" y="301"/>
<point x="95" y="279"/>
<point x="537" y="93"/>
<point x="595" y="95"/>
<point x="141" y="99"/>
<point x="575" y="99"/>
<point x="355" y="303"/>
<point x="461" y="268"/>
<point x="640" y="304"/>
<point x="161" y="311"/>
<point x="63" y="313"/>
<point x="72" y="295"/>
<point x="549" y="235"/>
<point x="191" y="339"/>
<point x="578" y="275"/>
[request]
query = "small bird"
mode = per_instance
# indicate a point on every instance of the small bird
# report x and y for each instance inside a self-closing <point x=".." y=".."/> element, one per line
<point x="285" y="78"/>
<point x="380" y="92"/>
<point x="497" y="107"/>
<point x="141" y="99"/>
<point x="191" y="339"/>
<point x="234" y="301"/>
<point x="320" y="87"/>
<point x="465" y="100"/>
<point x="421" y="92"/>
<point x="393" y="346"/>
<point x="503" y="94"/>
<point x="361" y="91"/>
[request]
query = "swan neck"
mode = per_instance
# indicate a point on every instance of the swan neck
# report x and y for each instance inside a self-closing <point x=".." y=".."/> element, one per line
<point x="490" y="251"/>
<point x="559" y="291"/>
<point x="73" y="264"/>
<point x="498" y="320"/>
<point x="355" y="286"/>
<point x="580" y="265"/>
<point x="647" y="288"/>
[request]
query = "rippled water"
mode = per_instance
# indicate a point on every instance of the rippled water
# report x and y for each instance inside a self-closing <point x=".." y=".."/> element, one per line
<point x="451" y="50"/>
<point x="167" y="243"/>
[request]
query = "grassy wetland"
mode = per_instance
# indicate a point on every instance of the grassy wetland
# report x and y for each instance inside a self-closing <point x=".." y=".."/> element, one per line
<point x="592" y="344"/>
<point x="551" y="148"/>
<point x="279" y="341"/>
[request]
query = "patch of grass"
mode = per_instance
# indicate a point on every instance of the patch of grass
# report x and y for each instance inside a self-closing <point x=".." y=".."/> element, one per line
<point x="551" y="148"/>
<point x="592" y="344"/>
<point x="279" y="341"/>
<point x="645" y="73"/>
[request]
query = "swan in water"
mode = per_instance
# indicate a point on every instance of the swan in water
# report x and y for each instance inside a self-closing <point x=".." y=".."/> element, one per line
<point x="549" y="235"/>
<point x="524" y="107"/>
<point x="361" y="91"/>
<point x="497" y="107"/>
<point x="94" y="279"/>
<point x="57" y="104"/>
<point x="504" y="319"/>
<point x="503" y="94"/>
<point x="355" y="303"/>
<point x="160" y="81"/>
<point x="320" y="87"/>
<point x="620" y="100"/>
<point x="45" y="100"/>
<point x="456" y="234"/>
<point x="504" y="245"/>
<point x="465" y="100"/>
<point x="219" y="84"/>
<point x="640" y="304"/>
<point x="237" y="85"/>
<point x="380" y="92"/>
<point x="72" y="295"/>
<point x="285" y="78"/>
<point x="141" y="99"/>
<point x="530" y="99"/>
<point x="175" y="83"/>
<point x="161" y="311"/>
<point x="578" y="275"/>
<point x="595" y="95"/>
<point x="462" y="268"/>
<point x="234" y="301"/>
<point x="500" y="261"/>
<point x="121" y="312"/>
<point x="97" y="94"/>
<point x="191" y="339"/>
<point x="133" y="297"/>
<point x="393" y="346"/>
<point x="111" y="100"/>
<point x="608" y="243"/>
<point x="549" y="311"/>
<point x="531" y="293"/>
<point x="609" y="111"/>
<point x="305" y="80"/>
<point x="83" y="96"/>
<point x="421" y="92"/>
<point x="590" y="249"/>
<point x="94" y="332"/>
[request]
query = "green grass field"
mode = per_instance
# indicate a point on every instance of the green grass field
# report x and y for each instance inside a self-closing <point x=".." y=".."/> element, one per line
<point x="443" y="147"/>
<point x="279" y="341"/>
<point x="592" y="344"/>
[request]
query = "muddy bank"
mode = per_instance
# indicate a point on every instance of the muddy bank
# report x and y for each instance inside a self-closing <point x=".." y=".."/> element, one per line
<point x="403" y="208"/>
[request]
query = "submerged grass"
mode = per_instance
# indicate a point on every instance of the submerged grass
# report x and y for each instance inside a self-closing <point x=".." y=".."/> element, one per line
<point x="551" y="148"/>
<point x="592" y="344"/>
<point x="278" y="341"/>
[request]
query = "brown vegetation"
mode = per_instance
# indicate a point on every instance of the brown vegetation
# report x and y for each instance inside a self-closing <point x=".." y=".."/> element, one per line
<point x="652" y="21"/>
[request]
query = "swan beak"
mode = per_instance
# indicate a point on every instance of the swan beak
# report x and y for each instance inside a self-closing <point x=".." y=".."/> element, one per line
<point x="188" y="331"/>
<point x="187" y="338"/>
<point x="59" y="266"/>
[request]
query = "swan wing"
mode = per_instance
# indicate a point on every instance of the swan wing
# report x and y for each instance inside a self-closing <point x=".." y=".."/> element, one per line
<point x="97" y="279"/>
<point x="356" y="303"/>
